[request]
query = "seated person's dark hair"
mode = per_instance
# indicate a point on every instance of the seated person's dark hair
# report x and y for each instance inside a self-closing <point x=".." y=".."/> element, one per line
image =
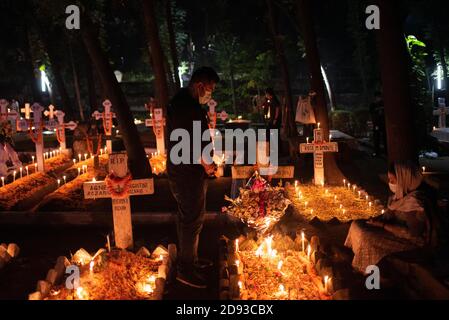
<point x="205" y="75"/>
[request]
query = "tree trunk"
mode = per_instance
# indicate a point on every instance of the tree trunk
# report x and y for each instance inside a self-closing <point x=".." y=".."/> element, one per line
<point x="278" y="43"/>
<point x="90" y="78"/>
<point x="332" y="172"/>
<point x="173" y="48"/>
<point x="138" y="162"/>
<point x="76" y="85"/>
<point x="395" y="70"/>
<point x="156" y="54"/>
<point x="445" y="73"/>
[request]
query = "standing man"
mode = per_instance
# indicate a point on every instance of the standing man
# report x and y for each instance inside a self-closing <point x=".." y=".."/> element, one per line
<point x="188" y="181"/>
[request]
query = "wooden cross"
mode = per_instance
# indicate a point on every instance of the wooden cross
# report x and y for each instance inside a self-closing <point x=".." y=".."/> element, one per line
<point x="37" y="110"/>
<point x="60" y="129"/>
<point x="121" y="207"/>
<point x="442" y="112"/>
<point x="158" y="122"/>
<point x="27" y="110"/>
<point x="318" y="147"/>
<point x="107" y="117"/>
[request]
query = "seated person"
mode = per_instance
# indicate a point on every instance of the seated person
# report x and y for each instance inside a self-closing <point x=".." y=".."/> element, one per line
<point x="405" y="226"/>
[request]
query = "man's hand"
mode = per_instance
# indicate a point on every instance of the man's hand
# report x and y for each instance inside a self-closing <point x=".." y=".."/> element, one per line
<point x="209" y="168"/>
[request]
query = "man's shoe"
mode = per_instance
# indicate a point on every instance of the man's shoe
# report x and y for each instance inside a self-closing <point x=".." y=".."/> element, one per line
<point x="202" y="264"/>
<point x="191" y="279"/>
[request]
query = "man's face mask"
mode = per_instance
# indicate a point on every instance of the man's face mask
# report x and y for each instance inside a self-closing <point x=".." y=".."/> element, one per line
<point x="205" y="95"/>
<point x="393" y="187"/>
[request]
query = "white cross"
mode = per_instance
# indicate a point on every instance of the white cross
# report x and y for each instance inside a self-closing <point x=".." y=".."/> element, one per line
<point x="50" y="113"/>
<point x="318" y="147"/>
<point x="60" y="129"/>
<point x="158" y="122"/>
<point x="27" y="110"/>
<point x="37" y="110"/>
<point x="121" y="208"/>
<point x="107" y="117"/>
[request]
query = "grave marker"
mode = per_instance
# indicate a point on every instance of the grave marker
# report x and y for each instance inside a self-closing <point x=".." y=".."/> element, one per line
<point x="61" y="127"/>
<point x="119" y="186"/>
<point x="318" y="147"/>
<point x="158" y="122"/>
<point x="107" y="117"/>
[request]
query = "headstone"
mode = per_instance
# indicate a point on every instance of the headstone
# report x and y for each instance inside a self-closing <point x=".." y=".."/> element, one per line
<point x="158" y="122"/>
<point x="318" y="147"/>
<point x="107" y="117"/>
<point x="121" y="208"/>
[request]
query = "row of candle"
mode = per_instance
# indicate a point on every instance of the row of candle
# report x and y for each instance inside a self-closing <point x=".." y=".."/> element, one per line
<point x="21" y="172"/>
<point x="51" y="154"/>
<point x="270" y="253"/>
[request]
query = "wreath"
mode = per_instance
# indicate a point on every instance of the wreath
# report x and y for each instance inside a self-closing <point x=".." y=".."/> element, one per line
<point x="90" y="145"/>
<point x="36" y="137"/>
<point x="107" y="129"/>
<point x="118" y="187"/>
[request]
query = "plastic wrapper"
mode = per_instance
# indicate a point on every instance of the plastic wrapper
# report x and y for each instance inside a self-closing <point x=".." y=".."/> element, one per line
<point x="259" y="205"/>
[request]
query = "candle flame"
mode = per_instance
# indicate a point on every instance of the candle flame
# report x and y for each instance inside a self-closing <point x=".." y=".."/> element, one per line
<point x="280" y="264"/>
<point x="91" y="266"/>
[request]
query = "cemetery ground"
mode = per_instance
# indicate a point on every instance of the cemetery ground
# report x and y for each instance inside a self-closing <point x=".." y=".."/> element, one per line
<point x="58" y="225"/>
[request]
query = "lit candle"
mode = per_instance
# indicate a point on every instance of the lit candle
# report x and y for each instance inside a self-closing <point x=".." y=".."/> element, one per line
<point x="309" y="251"/>
<point x="14" y="175"/>
<point x="296" y="183"/>
<point x="311" y="211"/>
<point x="341" y="206"/>
<point x="367" y="197"/>
<point x="280" y="264"/>
<point x="383" y="211"/>
<point x="370" y="205"/>
<point x="91" y="266"/>
<point x="79" y="157"/>
<point x="360" y="194"/>
<point x="79" y="171"/>
<point x="108" y="243"/>
<point x="236" y="245"/>
<point x="354" y="188"/>
<point x="344" y="211"/>
<point x="326" y="192"/>
<point x="319" y="124"/>
<point x="3" y="181"/>
<point x="94" y="180"/>
<point x="85" y="156"/>
<point x="326" y="284"/>
<point x="101" y="152"/>
<point x="35" y="167"/>
<point x="32" y="157"/>
<point x="424" y="169"/>
<point x="21" y="172"/>
<point x="322" y="183"/>
<point x="344" y="182"/>
<point x="330" y="138"/>
<point x="59" y="183"/>
<point x="65" y="179"/>
<point x="305" y="204"/>
<point x="307" y="140"/>
<point x="303" y="240"/>
<point x="349" y="186"/>
<point x="335" y="198"/>
<point x="74" y="161"/>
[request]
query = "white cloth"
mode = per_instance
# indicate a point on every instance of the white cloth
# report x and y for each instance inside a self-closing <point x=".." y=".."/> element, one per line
<point x="304" y="111"/>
